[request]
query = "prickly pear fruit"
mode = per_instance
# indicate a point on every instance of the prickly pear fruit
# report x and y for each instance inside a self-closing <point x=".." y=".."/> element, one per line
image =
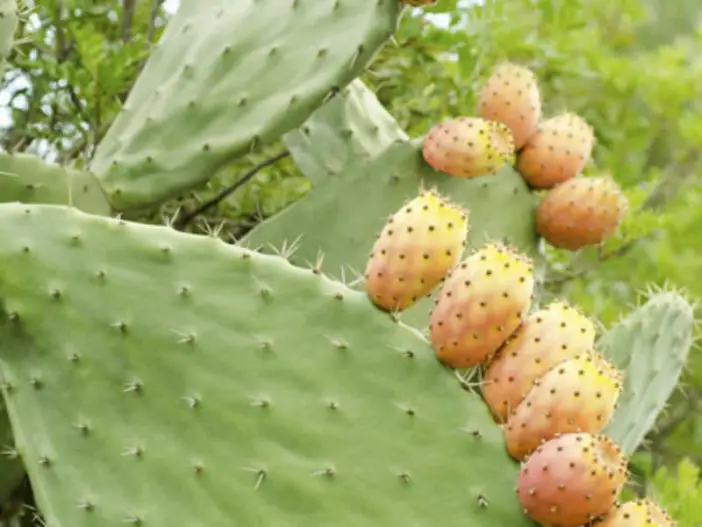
<point x="638" y="513"/>
<point x="581" y="212"/>
<point x="578" y="395"/>
<point x="571" y="480"/>
<point x="511" y="96"/>
<point x="469" y="147"/>
<point x="481" y="303"/>
<point x="546" y="338"/>
<point x="416" y="249"/>
<point x="559" y="149"/>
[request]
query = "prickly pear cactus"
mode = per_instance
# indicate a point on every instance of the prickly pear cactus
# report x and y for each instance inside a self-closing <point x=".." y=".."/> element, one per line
<point x="11" y="468"/>
<point x="226" y="405"/>
<point x="352" y="124"/>
<point x="652" y="344"/>
<point x="226" y="77"/>
<point x="355" y="201"/>
<point x="28" y="179"/>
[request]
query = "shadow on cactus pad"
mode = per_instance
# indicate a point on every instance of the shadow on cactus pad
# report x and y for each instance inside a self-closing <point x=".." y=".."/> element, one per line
<point x="158" y="378"/>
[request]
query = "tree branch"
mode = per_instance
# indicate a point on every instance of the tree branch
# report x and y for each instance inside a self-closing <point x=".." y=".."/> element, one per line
<point x="187" y="218"/>
<point x="128" y="8"/>
<point x="151" y="30"/>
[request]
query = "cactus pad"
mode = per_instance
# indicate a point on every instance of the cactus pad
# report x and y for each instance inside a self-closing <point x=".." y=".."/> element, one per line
<point x="11" y="468"/>
<point x="28" y="179"/>
<point x="158" y="378"/>
<point x="651" y="345"/>
<point x="352" y="124"/>
<point x="227" y="77"/>
<point x="356" y="202"/>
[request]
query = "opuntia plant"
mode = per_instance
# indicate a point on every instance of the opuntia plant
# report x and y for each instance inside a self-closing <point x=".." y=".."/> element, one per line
<point x="158" y="378"/>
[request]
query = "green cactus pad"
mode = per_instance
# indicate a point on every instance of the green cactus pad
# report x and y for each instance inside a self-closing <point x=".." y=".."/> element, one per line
<point x="341" y="218"/>
<point x="158" y="378"/>
<point x="651" y="346"/>
<point x="28" y="179"/>
<point x="11" y="467"/>
<point x="352" y="124"/>
<point x="371" y="170"/>
<point x="8" y="25"/>
<point x="228" y="77"/>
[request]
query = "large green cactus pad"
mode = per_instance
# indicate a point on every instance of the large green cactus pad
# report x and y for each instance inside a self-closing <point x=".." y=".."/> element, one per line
<point x="158" y="378"/>
<point x="651" y="346"/>
<point x="227" y="77"/>
<point x="28" y="179"/>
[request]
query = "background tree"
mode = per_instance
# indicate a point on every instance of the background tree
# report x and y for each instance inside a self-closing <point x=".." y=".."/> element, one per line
<point x="631" y="68"/>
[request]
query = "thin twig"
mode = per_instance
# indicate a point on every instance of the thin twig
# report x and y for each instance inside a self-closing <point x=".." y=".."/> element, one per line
<point x="187" y="218"/>
<point x="128" y="8"/>
<point x="601" y="258"/>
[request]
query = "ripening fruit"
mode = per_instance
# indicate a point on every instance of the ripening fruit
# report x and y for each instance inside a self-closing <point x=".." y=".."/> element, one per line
<point x="511" y="96"/>
<point x="557" y="152"/>
<point x="577" y="395"/>
<point x="468" y="147"/>
<point x="581" y="212"/>
<point x="481" y="303"/>
<point x="572" y="480"/>
<point x="416" y="249"/>
<point x="638" y="513"/>
<point x="546" y="338"/>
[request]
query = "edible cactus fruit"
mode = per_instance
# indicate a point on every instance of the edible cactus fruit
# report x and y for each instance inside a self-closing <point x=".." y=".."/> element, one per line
<point x="481" y="303"/>
<point x="637" y="513"/>
<point x="546" y="338"/>
<point x="581" y="212"/>
<point x="572" y="480"/>
<point x="559" y="150"/>
<point x="469" y="147"/>
<point x="511" y="96"/>
<point x="416" y="249"/>
<point x="578" y="395"/>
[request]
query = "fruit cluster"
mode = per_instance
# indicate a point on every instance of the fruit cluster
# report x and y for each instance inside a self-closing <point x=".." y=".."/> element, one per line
<point x="550" y="154"/>
<point x="543" y="381"/>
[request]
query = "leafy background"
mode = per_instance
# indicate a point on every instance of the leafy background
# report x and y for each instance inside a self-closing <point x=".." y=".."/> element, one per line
<point x="632" y="68"/>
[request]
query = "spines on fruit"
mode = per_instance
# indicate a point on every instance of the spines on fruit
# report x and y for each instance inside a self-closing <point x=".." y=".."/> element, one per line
<point x="416" y="249"/>
<point x="481" y="303"/>
<point x="469" y="147"/>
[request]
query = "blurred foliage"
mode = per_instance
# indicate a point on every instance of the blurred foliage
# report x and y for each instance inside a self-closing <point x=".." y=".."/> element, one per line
<point x="632" y="68"/>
